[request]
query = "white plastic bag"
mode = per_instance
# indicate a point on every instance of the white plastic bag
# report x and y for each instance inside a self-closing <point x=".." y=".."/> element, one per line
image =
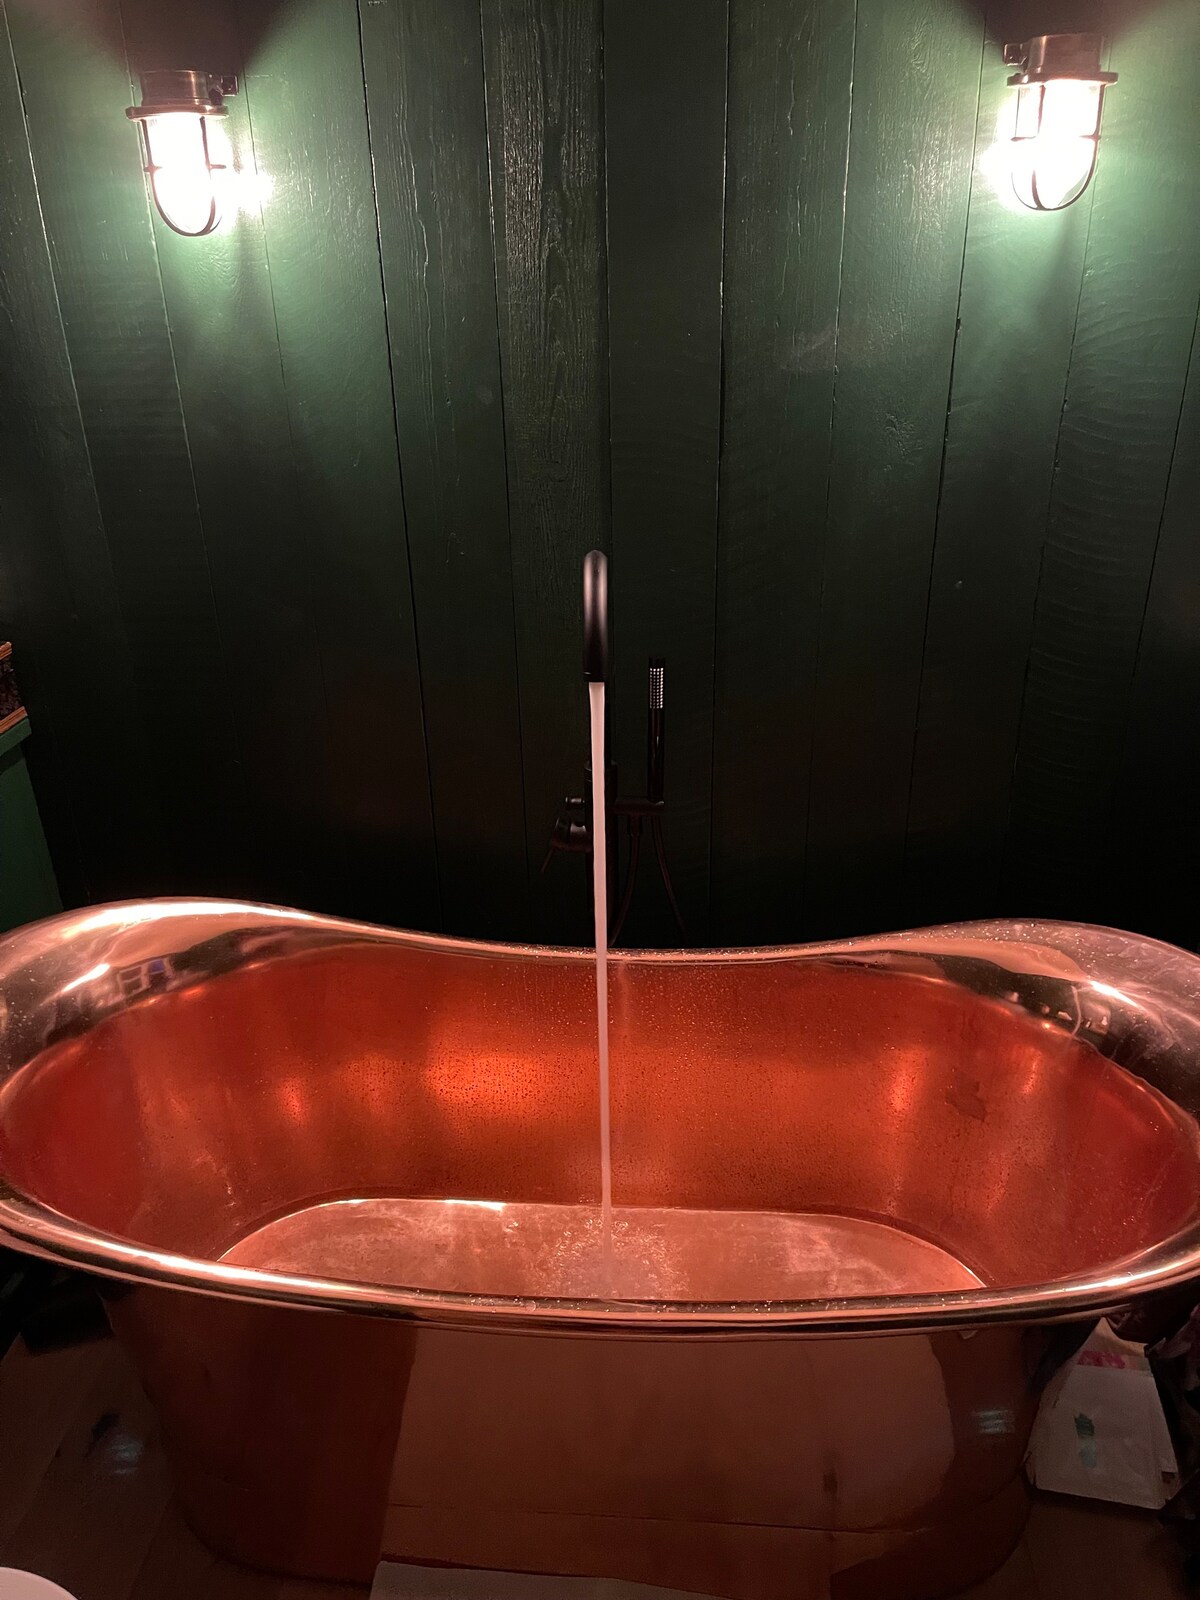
<point x="1101" y="1431"/>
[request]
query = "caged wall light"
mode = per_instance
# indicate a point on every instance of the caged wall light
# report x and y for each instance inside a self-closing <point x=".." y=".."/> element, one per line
<point x="1060" y="100"/>
<point x="179" y="115"/>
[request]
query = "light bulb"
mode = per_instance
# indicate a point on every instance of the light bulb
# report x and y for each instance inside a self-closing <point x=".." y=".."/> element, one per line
<point x="1059" y="101"/>
<point x="1057" y="125"/>
<point x="185" y="184"/>
<point x="188" y="159"/>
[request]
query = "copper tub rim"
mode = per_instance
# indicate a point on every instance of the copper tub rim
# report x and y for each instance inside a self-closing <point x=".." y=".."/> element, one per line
<point x="40" y="1230"/>
<point x="118" y="914"/>
<point x="36" y="1228"/>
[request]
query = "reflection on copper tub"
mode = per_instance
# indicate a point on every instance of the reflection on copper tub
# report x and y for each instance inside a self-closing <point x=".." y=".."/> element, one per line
<point x="342" y="1187"/>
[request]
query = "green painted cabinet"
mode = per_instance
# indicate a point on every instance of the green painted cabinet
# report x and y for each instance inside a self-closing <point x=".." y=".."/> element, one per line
<point x="28" y="889"/>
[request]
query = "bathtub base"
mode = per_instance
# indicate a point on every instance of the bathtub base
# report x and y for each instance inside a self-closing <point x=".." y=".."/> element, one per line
<point x="735" y="1562"/>
<point x="181" y="1078"/>
<point x="749" y="1468"/>
<point x="754" y="1469"/>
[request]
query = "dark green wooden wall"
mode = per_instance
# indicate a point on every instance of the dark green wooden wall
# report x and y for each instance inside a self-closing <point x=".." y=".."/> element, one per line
<point x="903" y="482"/>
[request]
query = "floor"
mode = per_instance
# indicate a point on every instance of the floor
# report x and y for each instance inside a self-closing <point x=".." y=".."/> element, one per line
<point x="84" y="1500"/>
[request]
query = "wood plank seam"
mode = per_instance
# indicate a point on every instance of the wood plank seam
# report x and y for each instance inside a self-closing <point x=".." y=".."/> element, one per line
<point x="230" y="698"/>
<point x="722" y="375"/>
<point x="427" y="115"/>
<point x="909" y="179"/>
<point x="937" y="514"/>
<point x="119" y="642"/>
<point x="544" y="74"/>
<point x="78" y="336"/>
<point x="326" y="709"/>
<point x="1136" y="316"/>
<point x="437" y="875"/>
<point x="1190" y="377"/>
<point x="66" y="799"/>
<point x="833" y="398"/>
<point x="785" y="225"/>
<point x="303" y="83"/>
<point x="1049" y="503"/>
<point x="995" y="491"/>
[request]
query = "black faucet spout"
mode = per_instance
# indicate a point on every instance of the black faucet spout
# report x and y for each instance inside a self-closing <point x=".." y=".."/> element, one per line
<point x="595" y="616"/>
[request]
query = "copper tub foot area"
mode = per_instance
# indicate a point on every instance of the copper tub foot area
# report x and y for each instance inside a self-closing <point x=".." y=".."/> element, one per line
<point x="342" y="1187"/>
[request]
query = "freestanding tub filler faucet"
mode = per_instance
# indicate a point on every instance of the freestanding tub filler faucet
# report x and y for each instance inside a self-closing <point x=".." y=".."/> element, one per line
<point x="572" y="831"/>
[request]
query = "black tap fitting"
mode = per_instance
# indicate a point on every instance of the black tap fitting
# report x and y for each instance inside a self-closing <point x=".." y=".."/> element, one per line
<point x="574" y="828"/>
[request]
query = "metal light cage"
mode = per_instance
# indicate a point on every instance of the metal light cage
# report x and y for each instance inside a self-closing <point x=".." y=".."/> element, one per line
<point x="1048" y="64"/>
<point x="175" y="92"/>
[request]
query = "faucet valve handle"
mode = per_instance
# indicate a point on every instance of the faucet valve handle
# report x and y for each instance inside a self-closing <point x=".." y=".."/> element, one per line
<point x="572" y="830"/>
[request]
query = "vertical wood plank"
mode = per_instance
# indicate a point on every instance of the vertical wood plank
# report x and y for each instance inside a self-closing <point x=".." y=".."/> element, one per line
<point x="789" y="117"/>
<point x="543" y="64"/>
<point x="916" y="84"/>
<point x="87" y="162"/>
<point x="28" y="320"/>
<point x="217" y="292"/>
<point x="1020" y="293"/>
<point x="665" y="78"/>
<point x="1154" y="844"/>
<point x="1137" y="314"/>
<point x="428" y="119"/>
<point x="54" y="565"/>
<point x="306" y="103"/>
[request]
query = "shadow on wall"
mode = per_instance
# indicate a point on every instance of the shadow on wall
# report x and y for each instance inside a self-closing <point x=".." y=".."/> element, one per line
<point x="167" y="33"/>
<point x="1007" y="20"/>
<point x="173" y="34"/>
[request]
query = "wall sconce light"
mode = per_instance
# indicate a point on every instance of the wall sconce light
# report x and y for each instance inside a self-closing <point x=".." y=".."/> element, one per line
<point x="1060" y="97"/>
<point x="176" y="112"/>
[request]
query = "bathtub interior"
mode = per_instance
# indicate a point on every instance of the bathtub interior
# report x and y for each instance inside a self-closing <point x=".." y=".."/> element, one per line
<point x="193" y="1117"/>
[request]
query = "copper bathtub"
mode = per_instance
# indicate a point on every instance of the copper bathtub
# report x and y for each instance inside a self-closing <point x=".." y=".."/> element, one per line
<point x="341" y="1186"/>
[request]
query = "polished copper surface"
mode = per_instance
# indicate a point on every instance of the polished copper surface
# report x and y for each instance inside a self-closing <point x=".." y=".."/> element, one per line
<point x="177" y="1075"/>
<point x="968" y="1139"/>
<point x="787" y="1467"/>
<point x="491" y="1248"/>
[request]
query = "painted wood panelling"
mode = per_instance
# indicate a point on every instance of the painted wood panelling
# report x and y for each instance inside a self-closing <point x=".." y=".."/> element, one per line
<point x="899" y="478"/>
<point x="428" y="112"/>
<point x="110" y="298"/>
<point x="1016" y="322"/>
<point x="785" y="213"/>
<point x="305" y="88"/>
<point x="664" y="95"/>
<point x="54" y="555"/>
<point x="544" y="66"/>
<point x="916" y="91"/>
<point x="220" y="312"/>
<point x="1120" y="423"/>
<point x="1152" y="839"/>
<point x="1153" y="843"/>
